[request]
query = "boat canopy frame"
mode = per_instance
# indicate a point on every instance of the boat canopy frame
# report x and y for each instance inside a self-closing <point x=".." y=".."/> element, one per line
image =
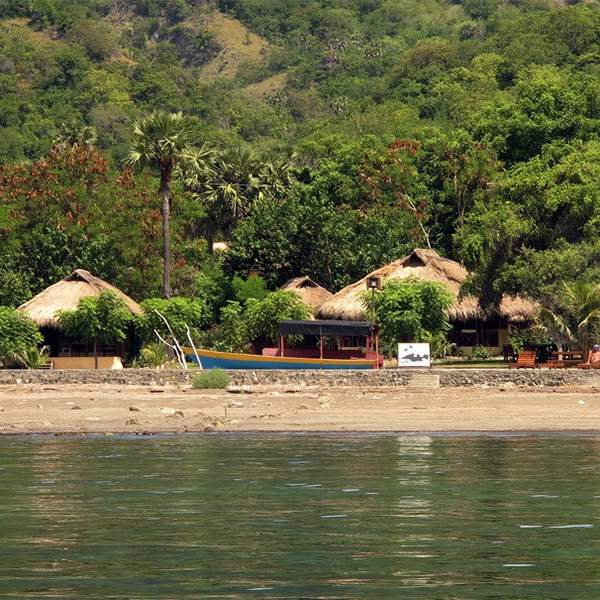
<point x="328" y="328"/>
<point x="331" y="328"/>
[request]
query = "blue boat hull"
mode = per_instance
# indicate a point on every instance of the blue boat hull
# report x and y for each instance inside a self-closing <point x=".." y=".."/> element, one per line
<point x="232" y="361"/>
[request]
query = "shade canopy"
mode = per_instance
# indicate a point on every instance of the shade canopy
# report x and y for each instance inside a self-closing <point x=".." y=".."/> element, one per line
<point x="327" y="328"/>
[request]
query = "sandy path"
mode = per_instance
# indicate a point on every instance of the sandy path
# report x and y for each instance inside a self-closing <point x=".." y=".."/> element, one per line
<point x="101" y="409"/>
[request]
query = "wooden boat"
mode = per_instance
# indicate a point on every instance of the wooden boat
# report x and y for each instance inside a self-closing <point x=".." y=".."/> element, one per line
<point x="210" y="359"/>
<point x="303" y="358"/>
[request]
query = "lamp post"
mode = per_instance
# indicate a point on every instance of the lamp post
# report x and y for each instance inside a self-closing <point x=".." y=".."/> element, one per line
<point x="373" y="284"/>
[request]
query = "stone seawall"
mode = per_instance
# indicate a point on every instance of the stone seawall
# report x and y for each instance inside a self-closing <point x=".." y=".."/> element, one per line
<point x="391" y="377"/>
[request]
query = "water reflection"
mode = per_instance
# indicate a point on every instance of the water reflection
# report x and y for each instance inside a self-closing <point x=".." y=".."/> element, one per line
<point x="408" y="517"/>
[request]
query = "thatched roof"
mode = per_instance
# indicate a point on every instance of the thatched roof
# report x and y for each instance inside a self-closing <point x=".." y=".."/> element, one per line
<point x="65" y="295"/>
<point x="429" y="266"/>
<point x="312" y="293"/>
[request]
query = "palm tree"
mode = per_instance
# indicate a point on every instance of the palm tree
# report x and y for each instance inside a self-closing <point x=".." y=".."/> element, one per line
<point x="240" y="180"/>
<point x="74" y="133"/>
<point x="162" y="141"/>
<point x="575" y="321"/>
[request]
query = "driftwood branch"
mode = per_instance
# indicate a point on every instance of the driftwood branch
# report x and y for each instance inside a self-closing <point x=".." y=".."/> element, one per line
<point x="176" y="346"/>
<point x="183" y="365"/>
<point x="189" y="337"/>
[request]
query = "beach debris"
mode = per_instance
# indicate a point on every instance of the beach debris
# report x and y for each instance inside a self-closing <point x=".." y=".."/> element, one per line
<point x="132" y="422"/>
<point x="75" y="407"/>
<point x="157" y="391"/>
<point x="581" y="402"/>
<point x="325" y="401"/>
<point x="19" y="381"/>
<point x="235" y="404"/>
<point x="303" y="407"/>
<point x="92" y="418"/>
<point x="167" y="410"/>
<point x="253" y="405"/>
<point x="177" y="414"/>
<point x="133" y="408"/>
<point x="268" y="404"/>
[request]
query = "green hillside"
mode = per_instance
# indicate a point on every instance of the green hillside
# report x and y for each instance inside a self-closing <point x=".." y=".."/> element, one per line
<point x="472" y="126"/>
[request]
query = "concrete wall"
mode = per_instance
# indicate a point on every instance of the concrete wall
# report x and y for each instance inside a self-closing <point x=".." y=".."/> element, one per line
<point x="389" y="377"/>
<point x="85" y="362"/>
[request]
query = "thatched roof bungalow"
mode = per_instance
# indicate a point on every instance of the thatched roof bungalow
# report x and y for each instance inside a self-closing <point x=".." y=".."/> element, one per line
<point x="311" y="293"/>
<point x="65" y="295"/>
<point x="348" y="304"/>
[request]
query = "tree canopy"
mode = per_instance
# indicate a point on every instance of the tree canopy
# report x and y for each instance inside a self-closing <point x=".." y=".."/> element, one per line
<point x="334" y="136"/>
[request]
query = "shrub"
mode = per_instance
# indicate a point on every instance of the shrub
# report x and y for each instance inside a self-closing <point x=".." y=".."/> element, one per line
<point x="231" y="334"/>
<point x="480" y="353"/>
<point x="17" y="333"/>
<point x="154" y="355"/>
<point x="263" y="316"/>
<point x="411" y="310"/>
<point x="177" y="311"/>
<point x="33" y="357"/>
<point x="212" y="379"/>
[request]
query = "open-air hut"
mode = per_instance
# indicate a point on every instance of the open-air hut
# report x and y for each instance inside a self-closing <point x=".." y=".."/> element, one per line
<point x="470" y="326"/>
<point x="65" y="352"/>
<point x="311" y="293"/>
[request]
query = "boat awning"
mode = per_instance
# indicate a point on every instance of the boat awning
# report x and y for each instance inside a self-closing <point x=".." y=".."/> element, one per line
<point x="327" y="328"/>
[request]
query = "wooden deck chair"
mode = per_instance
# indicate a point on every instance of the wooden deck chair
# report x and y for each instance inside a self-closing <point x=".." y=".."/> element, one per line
<point x="525" y="360"/>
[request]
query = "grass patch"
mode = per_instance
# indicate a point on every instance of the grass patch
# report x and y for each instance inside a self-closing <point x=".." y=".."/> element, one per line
<point x="211" y="379"/>
<point x="471" y="364"/>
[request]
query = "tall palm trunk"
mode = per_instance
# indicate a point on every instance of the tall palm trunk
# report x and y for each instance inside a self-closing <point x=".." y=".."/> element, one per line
<point x="166" y="217"/>
<point x="96" y="354"/>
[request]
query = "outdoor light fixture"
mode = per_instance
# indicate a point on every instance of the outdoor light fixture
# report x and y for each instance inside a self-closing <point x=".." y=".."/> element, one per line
<point x="373" y="283"/>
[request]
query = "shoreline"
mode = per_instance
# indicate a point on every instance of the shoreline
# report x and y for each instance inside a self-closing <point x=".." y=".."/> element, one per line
<point x="576" y="433"/>
<point x="73" y="410"/>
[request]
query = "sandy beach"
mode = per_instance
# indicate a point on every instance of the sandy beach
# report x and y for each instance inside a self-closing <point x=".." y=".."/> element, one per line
<point x="70" y="409"/>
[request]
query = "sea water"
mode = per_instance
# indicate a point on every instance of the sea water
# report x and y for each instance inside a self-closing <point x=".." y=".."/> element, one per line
<point x="300" y="517"/>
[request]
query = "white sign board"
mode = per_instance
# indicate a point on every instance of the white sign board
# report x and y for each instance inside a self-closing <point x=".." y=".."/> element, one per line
<point x="414" y="355"/>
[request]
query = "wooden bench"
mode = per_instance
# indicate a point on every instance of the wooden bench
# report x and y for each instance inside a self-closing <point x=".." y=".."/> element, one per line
<point x="588" y="366"/>
<point x="557" y="364"/>
<point x="525" y="360"/>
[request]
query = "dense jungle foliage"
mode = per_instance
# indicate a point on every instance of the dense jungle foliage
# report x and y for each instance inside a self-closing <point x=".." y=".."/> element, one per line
<point x="339" y="134"/>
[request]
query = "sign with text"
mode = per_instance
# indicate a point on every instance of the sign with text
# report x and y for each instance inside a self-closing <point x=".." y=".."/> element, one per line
<point x="414" y="355"/>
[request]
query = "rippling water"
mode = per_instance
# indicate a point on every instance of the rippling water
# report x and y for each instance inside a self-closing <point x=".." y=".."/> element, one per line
<point x="300" y="517"/>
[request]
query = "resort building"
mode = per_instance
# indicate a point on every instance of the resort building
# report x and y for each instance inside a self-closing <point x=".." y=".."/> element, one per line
<point x="470" y="327"/>
<point x="311" y="293"/>
<point x="66" y="352"/>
